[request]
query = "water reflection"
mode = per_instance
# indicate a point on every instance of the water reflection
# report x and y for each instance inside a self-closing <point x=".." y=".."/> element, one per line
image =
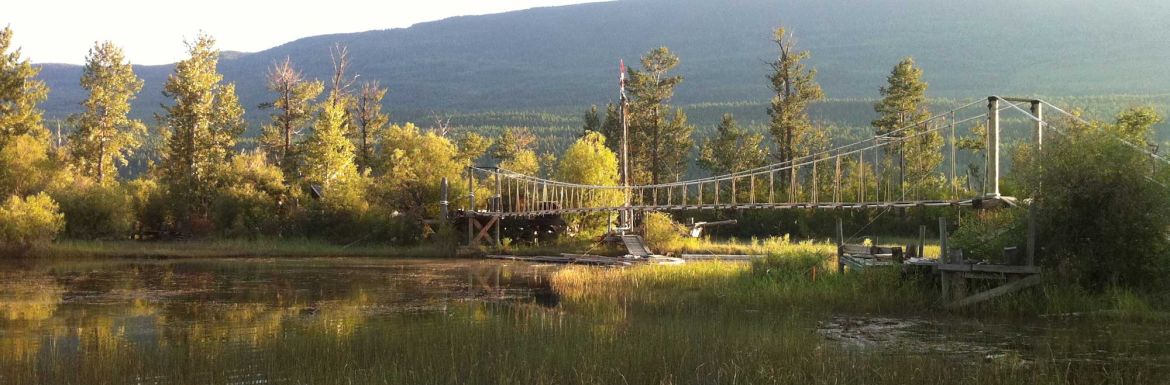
<point x="379" y="321"/>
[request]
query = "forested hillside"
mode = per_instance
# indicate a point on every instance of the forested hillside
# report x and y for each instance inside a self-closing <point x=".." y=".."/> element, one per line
<point x="565" y="58"/>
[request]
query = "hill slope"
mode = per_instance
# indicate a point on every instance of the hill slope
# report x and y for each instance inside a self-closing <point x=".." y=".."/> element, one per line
<point x="567" y="56"/>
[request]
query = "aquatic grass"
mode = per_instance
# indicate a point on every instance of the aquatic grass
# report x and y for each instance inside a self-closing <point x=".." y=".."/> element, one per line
<point x="234" y="249"/>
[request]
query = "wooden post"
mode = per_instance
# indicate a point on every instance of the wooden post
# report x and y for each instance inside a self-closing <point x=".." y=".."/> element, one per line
<point x="993" y="146"/>
<point x="1038" y="113"/>
<point x="771" y="187"/>
<point x="944" y="255"/>
<point x="733" y="197"/>
<point x="470" y="206"/>
<point x="752" y="190"/>
<point x="840" y="245"/>
<point x="444" y="204"/>
<point x="815" y="186"/>
<point x="499" y="209"/>
<point x="922" y="241"/>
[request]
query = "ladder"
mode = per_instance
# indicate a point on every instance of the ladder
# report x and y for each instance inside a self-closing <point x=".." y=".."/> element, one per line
<point x="636" y="246"/>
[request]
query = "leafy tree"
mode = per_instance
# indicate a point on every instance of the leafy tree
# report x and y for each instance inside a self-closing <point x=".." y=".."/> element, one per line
<point x="202" y="126"/>
<point x="903" y="107"/>
<point x="28" y="222"/>
<point x="415" y="164"/>
<point x="105" y="134"/>
<point x="1135" y="124"/>
<point x="658" y="146"/>
<point x="25" y="164"/>
<point x="20" y="92"/>
<point x="515" y="152"/>
<point x="795" y="88"/>
<point x="1099" y="214"/>
<point x="368" y="123"/>
<point x="95" y="211"/>
<point x="329" y="154"/>
<point x="472" y="146"/>
<point x="294" y="110"/>
<point x="588" y="161"/>
<point x="250" y="203"/>
<point x="976" y="143"/>
<point x="733" y="150"/>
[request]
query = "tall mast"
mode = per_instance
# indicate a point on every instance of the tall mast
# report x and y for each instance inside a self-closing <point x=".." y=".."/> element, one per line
<point x="626" y="218"/>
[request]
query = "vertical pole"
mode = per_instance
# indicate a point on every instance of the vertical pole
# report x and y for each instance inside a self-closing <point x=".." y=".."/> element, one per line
<point x="993" y="146"/>
<point x="815" y="185"/>
<point x="954" y="159"/>
<point x="840" y="245"/>
<point x="1038" y="113"/>
<point x="837" y="182"/>
<point x="471" y="206"/>
<point x="733" y="197"/>
<point x="944" y="256"/>
<point x="700" y="194"/>
<point x="444" y="204"/>
<point x="771" y="187"/>
<point x="499" y="209"/>
<point x="922" y="241"/>
<point x="753" y="190"/>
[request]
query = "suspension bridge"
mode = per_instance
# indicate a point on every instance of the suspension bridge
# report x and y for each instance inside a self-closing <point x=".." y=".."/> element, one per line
<point x="865" y="174"/>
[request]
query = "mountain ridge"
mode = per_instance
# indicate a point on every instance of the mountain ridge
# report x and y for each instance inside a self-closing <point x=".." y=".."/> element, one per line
<point x="566" y="56"/>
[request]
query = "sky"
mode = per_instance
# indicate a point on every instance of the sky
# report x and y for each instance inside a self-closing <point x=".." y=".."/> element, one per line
<point x="153" y="31"/>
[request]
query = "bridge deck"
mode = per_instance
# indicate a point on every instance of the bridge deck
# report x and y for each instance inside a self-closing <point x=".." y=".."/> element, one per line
<point x="745" y="206"/>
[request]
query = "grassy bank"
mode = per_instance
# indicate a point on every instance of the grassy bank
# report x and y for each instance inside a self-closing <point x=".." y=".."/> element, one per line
<point x="231" y="249"/>
<point x="804" y="278"/>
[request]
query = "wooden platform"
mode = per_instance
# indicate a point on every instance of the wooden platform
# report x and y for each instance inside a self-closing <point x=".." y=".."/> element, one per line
<point x="593" y="260"/>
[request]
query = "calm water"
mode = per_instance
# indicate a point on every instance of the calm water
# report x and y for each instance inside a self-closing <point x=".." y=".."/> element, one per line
<point x="254" y="321"/>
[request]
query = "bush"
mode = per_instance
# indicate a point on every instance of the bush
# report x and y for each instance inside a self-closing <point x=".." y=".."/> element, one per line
<point x="28" y="223"/>
<point x="1099" y="216"/>
<point x="94" y="211"/>
<point x="661" y="231"/>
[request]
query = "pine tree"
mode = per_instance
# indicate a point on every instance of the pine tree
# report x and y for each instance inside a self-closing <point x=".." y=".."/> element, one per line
<point x="611" y="128"/>
<point x="105" y="134"/>
<point x="903" y="107"/>
<point x="369" y="122"/>
<point x="592" y="121"/>
<point x="732" y="150"/>
<point x="294" y="110"/>
<point x="20" y="92"/>
<point x="795" y="88"/>
<point x="515" y="151"/>
<point x="658" y="146"/>
<point x="201" y="128"/>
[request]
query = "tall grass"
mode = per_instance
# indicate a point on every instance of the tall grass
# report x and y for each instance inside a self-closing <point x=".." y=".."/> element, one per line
<point x="234" y="248"/>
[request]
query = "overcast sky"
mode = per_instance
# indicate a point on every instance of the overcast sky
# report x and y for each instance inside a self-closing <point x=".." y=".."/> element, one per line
<point x="152" y="31"/>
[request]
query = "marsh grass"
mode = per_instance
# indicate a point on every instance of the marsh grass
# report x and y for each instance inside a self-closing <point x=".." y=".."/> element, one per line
<point x="233" y="249"/>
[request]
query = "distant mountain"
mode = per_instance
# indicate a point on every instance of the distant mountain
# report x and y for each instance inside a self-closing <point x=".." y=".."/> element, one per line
<point x="566" y="57"/>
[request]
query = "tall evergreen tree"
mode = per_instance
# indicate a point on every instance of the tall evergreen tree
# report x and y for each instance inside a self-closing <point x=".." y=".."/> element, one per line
<point x="369" y="122"/>
<point x="24" y="141"/>
<point x="611" y="127"/>
<point x="795" y="88"/>
<point x="592" y="121"/>
<point x="293" y="111"/>
<point x="201" y="127"/>
<point x="658" y="145"/>
<point x="903" y="107"/>
<point x="20" y="92"/>
<point x="105" y="134"/>
<point x="732" y="150"/>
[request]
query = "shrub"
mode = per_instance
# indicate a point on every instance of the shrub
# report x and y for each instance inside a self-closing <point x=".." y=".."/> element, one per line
<point x="26" y="223"/>
<point x="95" y="211"/>
<point x="661" y="231"/>
<point x="1098" y="213"/>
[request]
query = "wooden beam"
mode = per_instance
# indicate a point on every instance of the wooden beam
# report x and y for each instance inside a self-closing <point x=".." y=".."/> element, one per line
<point x="1008" y="288"/>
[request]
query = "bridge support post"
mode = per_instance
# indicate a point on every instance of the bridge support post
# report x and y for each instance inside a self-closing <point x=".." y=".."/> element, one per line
<point x="1038" y="113"/>
<point x="499" y="207"/>
<point x="471" y="221"/>
<point x="993" y="147"/>
<point x="840" y="245"/>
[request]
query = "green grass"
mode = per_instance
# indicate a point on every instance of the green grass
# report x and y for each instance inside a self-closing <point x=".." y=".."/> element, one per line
<point x="231" y="248"/>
